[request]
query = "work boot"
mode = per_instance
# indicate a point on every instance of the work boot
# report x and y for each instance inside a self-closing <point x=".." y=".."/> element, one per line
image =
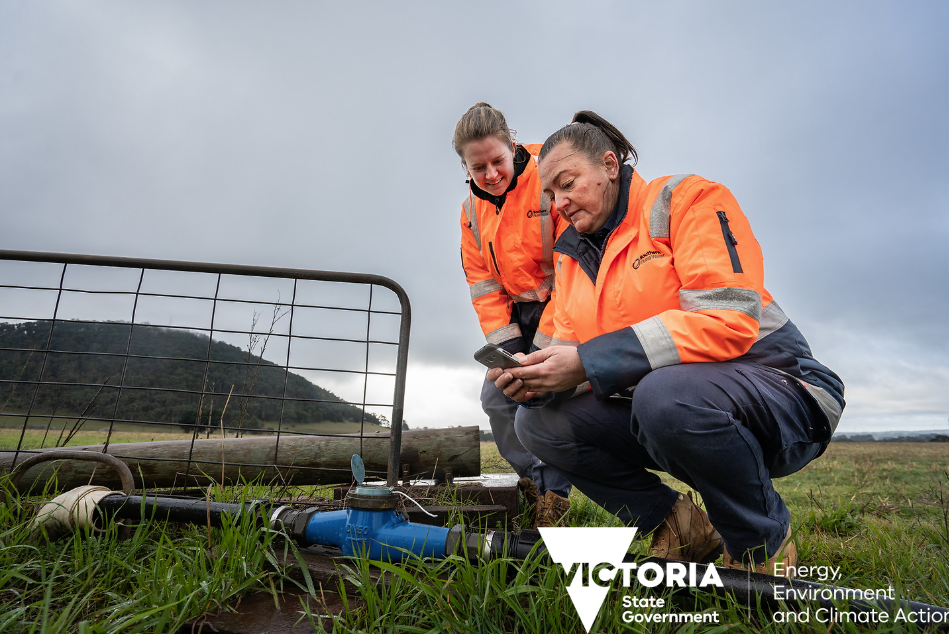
<point x="552" y="510"/>
<point x="686" y="534"/>
<point x="529" y="491"/>
<point x="786" y="556"/>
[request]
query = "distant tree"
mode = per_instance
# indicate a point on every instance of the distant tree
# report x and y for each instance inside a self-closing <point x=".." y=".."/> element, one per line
<point x="189" y="419"/>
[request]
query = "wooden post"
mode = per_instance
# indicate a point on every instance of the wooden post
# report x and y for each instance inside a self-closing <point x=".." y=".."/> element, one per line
<point x="298" y="460"/>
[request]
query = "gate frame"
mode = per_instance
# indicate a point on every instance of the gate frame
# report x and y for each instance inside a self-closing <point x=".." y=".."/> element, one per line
<point x="398" y="399"/>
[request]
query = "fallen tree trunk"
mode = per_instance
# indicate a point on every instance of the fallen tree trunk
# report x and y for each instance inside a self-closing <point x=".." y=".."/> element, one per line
<point x="294" y="460"/>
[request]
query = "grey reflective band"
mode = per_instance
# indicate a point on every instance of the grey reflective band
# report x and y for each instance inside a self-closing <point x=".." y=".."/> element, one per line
<point x="564" y="342"/>
<point x="539" y="294"/>
<point x="486" y="287"/>
<point x="772" y="319"/>
<point x="827" y="403"/>
<point x="743" y="300"/>
<point x="472" y="220"/>
<point x="528" y="296"/>
<point x="504" y="333"/>
<point x="547" y="236"/>
<point x="541" y="340"/>
<point x="662" y="207"/>
<point x="583" y="388"/>
<point x="657" y="343"/>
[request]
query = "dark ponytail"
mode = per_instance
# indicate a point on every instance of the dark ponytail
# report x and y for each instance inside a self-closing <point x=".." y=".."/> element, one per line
<point x="592" y="135"/>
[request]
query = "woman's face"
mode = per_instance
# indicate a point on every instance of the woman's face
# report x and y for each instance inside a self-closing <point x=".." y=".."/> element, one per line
<point x="490" y="162"/>
<point x="582" y="192"/>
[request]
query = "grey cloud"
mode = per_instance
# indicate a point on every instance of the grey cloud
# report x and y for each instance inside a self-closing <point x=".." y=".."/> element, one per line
<point x="317" y="135"/>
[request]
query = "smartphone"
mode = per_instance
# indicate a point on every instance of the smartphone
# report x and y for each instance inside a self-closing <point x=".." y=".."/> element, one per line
<point x="496" y="357"/>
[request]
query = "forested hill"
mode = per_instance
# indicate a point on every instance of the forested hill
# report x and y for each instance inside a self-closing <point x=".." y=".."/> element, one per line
<point x="162" y="390"/>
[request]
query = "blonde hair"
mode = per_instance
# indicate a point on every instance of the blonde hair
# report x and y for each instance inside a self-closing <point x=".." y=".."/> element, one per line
<point x="480" y="122"/>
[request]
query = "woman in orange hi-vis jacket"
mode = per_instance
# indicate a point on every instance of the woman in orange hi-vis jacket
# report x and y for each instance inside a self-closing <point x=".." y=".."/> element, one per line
<point x="690" y="366"/>
<point x="507" y="239"/>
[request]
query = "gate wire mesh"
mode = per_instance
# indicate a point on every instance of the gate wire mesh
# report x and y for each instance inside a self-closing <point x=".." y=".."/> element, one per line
<point x="118" y="345"/>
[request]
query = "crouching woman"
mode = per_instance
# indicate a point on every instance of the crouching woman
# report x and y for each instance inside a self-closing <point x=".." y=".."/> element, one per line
<point x="669" y="355"/>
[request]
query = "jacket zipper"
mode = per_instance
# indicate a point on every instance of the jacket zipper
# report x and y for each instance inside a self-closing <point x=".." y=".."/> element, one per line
<point x="493" y="258"/>
<point x="730" y="242"/>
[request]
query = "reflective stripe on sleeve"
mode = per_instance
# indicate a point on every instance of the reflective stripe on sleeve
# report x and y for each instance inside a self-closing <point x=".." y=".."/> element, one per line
<point x="564" y="342"/>
<point x="504" y="333"/>
<point x="539" y="294"/>
<point x="743" y="300"/>
<point x="480" y="289"/>
<point x="662" y="207"/>
<point x="472" y="219"/>
<point x="657" y="343"/>
<point x="772" y="319"/>
<point x="541" y="340"/>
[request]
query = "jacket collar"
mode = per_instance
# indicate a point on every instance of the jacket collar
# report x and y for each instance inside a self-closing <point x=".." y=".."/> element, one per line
<point x="521" y="159"/>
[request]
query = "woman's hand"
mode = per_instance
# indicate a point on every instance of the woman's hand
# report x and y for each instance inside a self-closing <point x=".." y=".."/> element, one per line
<point x="552" y="369"/>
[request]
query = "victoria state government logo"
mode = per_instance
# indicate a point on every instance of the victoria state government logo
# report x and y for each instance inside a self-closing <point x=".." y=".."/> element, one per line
<point x="592" y="558"/>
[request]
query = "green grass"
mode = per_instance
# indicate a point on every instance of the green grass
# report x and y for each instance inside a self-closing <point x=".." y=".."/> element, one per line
<point x="124" y="432"/>
<point x="880" y="511"/>
<point x="156" y="580"/>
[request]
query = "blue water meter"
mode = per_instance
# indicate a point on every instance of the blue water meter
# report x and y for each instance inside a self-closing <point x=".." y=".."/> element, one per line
<point x="368" y="497"/>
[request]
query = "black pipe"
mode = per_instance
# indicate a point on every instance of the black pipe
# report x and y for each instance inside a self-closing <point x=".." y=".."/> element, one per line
<point x="189" y="511"/>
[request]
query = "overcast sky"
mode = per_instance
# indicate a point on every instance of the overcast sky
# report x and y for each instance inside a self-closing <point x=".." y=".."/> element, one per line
<point x="318" y="135"/>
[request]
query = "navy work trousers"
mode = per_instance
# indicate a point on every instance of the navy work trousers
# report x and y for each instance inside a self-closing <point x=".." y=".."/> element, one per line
<point x="725" y="429"/>
<point x="501" y="411"/>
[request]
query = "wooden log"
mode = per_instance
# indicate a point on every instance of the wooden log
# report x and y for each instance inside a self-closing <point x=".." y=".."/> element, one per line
<point x="296" y="460"/>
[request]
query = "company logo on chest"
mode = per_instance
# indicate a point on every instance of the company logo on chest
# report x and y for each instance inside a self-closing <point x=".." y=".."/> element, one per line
<point x="645" y="257"/>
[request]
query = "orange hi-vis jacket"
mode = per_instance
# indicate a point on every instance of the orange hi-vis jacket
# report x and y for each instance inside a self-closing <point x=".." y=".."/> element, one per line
<point x="679" y="280"/>
<point x="507" y="254"/>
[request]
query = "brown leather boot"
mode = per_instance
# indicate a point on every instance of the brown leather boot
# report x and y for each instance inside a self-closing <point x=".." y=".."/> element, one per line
<point x="529" y="491"/>
<point x="686" y="534"/>
<point x="552" y="510"/>
<point x="786" y="556"/>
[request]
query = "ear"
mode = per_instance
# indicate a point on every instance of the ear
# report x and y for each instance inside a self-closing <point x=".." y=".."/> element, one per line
<point x="611" y="165"/>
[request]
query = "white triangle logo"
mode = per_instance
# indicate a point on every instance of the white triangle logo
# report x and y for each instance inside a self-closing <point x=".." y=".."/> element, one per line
<point x="569" y="546"/>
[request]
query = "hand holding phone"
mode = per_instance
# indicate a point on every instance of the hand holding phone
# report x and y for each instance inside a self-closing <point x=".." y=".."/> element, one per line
<point x="494" y="356"/>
